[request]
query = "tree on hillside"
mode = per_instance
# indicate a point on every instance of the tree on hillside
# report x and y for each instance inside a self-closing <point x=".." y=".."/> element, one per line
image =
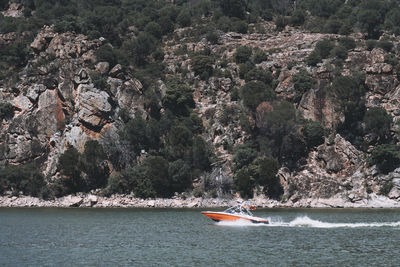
<point x="233" y="8"/>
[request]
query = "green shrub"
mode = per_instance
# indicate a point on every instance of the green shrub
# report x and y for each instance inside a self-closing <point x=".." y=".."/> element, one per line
<point x="386" y="188"/>
<point x="259" y="74"/>
<point x="139" y="181"/>
<point x="99" y="81"/>
<point x="266" y="176"/>
<point x="178" y="99"/>
<point x="255" y="92"/>
<point x="201" y="154"/>
<point x="391" y="59"/>
<point x="147" y="180"/>
<point x="256" y="172"/>
<point x="156" y="171"/>
<point x="302" y="81"/>
<point x="154" y="29"/>
<point x="141" y="134"/>
<point x="3" y="4"/>
<point x="273" y="126"/>
<point x="94" y="165"/>
<point x="321" y="8"/>
<point x="212" y="36"/>
<point x="321" y="51"/>
<point x="158" y="54"/>
<point x="83" y="172"/>
<point x="378" y="122"/>
<point x="244" y="68"/>
<point x="116" y="183"/>
<point x="244" y="182"/>
<point x="70" y="169"/>
<point x="298" y="17"/>
<point x="259" y="56"/>
<point x="347" y="42"/>
<point x="179" y="139"/>
<point x="12" y="57"/>
<point x="370" y="21"/>
<point x="313" y="58"/>
<point x="107" y="53"/>
<point x="242" y="54"/>
<point x="243" y="156"/>
<point x="386" y="157"/>
<point x="233" y="8"/>
<point x="314" y="133"/>
<point x="240" y="26"/>
<point x="137" y="50"/>
<point x="167" y="25"/>
<point x="348" y="89"/>
<point x="224" y="24"/>
<point x="324" y="48"/>
<point x="293" y="148"/>
<point x="339" y="52"/>
<point x="385" y="45"/>
<point x="203" y="66"/>
<point x="281" y="22"/>
<point x="346" y="28"/>
<point x="392" y="21"/>
<point x="6" y="110"/>
<point x="333" y="25"/>
<point x="371" y="44"/>
<point x="180" y="176"/>
<point x="25" y="178"/>
<point x="352" y="128"/>
<point x="184" y="19"/>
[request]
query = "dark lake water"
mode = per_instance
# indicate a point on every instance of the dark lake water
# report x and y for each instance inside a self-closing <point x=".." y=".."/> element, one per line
<point x="180" y="237"/>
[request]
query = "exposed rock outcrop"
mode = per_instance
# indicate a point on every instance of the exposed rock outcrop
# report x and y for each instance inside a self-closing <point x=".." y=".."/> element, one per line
<point x="58" y="105"/>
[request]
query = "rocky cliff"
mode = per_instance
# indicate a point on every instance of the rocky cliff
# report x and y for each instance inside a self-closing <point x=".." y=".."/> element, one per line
<point x="57" y="104"/>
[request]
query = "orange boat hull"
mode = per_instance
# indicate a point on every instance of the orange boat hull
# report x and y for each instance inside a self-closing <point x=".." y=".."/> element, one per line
<point x="220" y="216"/>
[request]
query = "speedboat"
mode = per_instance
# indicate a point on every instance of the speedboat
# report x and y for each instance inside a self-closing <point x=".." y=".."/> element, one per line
<point x="235" y="213"/>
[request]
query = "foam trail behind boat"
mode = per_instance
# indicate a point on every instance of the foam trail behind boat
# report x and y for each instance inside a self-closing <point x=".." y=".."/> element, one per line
<point x="305" y="221"/>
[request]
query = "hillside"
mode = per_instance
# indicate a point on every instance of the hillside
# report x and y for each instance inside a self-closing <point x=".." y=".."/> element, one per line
<point x="291" y="101"/>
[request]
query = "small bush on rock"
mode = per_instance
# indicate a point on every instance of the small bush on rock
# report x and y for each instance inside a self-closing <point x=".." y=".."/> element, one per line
<point x="6" y="110"/>
<point x="242" y="54"/>
<point x="386" y="157"/>
<point x="255" y="92"/>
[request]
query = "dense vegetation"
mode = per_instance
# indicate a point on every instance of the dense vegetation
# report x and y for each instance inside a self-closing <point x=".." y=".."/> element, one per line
<point x="165" y="152"/>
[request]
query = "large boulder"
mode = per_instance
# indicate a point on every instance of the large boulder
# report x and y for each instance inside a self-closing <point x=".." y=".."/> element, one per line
<point x="22" y="103"/>
<point x="34" y="91"/>
<point x="49" y="114"/>
<point x="93" y="106"/>
<point x="130" y="96"/>
<point x="102" y="67"/>
<point x="70" y="45"/>
<point x="328" y="171"/>
<point x="42" y="39"/>
<point x="340" y="156"/>
<point x="315" y="105"/>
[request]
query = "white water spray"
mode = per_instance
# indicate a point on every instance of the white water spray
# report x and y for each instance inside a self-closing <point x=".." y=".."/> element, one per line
<point x="305" y="221"/>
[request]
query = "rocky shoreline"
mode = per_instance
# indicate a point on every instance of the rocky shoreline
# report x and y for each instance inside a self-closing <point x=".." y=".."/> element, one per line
<point x="129" y="201"/>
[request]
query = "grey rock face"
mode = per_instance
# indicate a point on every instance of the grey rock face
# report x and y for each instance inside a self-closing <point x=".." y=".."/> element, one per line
<point x="102" y="67"/>
<point x="34" y="91"/>
<point x="116" y="71"/>
<point x="49" y="113"/>
<point x="82" y="77"/>
<point x="69" y="110"/>
<point x="92" y="106"/>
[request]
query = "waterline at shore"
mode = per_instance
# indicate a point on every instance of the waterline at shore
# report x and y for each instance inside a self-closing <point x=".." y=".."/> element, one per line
<point x="129" y="201"/>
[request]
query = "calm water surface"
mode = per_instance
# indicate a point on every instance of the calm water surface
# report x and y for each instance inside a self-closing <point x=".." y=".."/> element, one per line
<point x="168" y="237"/>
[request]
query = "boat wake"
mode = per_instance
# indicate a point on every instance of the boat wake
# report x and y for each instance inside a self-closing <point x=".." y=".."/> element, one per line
<point x="305" y="221"/>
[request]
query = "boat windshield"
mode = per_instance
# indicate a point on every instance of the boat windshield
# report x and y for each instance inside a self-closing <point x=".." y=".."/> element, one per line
<point x="243" y="208"/>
